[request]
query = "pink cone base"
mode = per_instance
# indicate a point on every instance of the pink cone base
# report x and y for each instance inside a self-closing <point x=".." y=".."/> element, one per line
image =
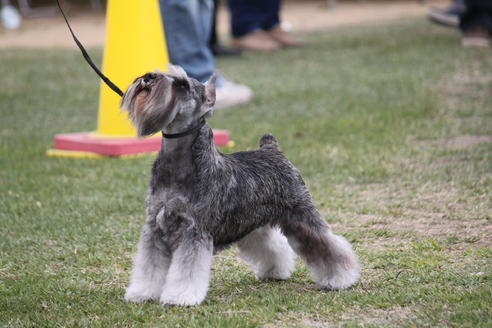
<point x="87" y="142"/>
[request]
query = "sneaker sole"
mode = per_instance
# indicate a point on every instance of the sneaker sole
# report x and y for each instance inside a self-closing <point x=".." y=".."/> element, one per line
<point x="477" y="42"/>
<point x="446" y="20"/>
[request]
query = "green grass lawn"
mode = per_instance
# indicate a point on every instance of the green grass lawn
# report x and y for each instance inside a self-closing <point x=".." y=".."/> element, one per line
<point x="391" y="127"/>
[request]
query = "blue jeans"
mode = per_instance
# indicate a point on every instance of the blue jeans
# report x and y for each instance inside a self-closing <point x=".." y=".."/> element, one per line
<point x="250" y="15"/>
<point x="187" y="24"/>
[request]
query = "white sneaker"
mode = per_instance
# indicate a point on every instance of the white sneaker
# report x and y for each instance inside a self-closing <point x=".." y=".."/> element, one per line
<point x="230" y="94"/>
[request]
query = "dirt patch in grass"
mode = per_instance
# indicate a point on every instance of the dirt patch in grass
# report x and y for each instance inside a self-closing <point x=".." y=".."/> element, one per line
<point x="466" y="81"/>
<point x="369" y="315"/>
<point x="471" y="231"/>
<point x="380" y="317"/>
<point x="459" y="142"/>
<point x="435" y="211"/>
<point x="443" y="191"/>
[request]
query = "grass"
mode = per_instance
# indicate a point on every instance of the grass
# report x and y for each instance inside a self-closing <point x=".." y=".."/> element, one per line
<point x="390" y="125"/>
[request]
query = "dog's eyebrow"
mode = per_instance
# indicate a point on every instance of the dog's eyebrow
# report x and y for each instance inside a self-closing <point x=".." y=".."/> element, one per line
<point x="175" y="78"/>
<point x="181" y="81"/>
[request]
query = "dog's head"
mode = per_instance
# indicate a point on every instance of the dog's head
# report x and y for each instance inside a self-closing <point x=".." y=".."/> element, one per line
<point x="157" y="101"/>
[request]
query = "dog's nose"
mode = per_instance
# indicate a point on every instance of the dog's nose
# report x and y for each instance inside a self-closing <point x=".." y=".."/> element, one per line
<point x="149" y="76"/>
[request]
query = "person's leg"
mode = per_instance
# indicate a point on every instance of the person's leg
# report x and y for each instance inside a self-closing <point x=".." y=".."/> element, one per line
<point x="214" y="44"/>
<point x="271" y="24"/>
<point x="250" y="15"/>
<point x="245" y="16"/>
<point x="187" y="24"/>
<point x="248" y="20"/>
<point x="213" y="40"/>
<point x="477" y="13"/>
<point x="271" y="14"/>
<point x="476" y="23"/>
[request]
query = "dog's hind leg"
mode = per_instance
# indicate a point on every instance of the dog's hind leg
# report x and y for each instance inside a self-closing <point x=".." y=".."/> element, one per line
<point x="189" y="273"/>
<point x="330" y="257"/>
<point x="268" y="253"/>
<point x="150" y="266"/>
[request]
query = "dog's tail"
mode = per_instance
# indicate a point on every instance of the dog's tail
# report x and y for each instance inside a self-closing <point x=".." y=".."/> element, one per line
<point x="269" y="140"/>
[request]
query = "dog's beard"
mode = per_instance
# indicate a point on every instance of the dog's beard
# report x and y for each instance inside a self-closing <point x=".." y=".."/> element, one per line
<point x="150" y="105"/>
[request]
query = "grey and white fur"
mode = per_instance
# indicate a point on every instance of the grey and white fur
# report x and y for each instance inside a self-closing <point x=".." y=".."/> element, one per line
<point x="200" y="201"/>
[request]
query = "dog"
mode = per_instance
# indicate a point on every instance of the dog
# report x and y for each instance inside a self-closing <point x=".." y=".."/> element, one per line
<point x="201" y="201"/>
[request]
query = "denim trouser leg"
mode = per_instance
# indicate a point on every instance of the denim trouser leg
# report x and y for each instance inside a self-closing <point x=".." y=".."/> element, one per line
<point x="187" y="24"/>
<point x="250" y="15"/>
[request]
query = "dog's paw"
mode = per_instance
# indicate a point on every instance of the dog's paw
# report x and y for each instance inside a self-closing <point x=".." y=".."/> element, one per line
<point x="280" y="270"/>
<point x="337" y="272"/>
<point x="282" y="273"/>
<point x="187" y="296"/>
<point x="273" y="275"/>
<point x="279" y="263"/>
<point x="182" y="300"/>
<point x="141" y="295"/>
<point x="343" y="279"/>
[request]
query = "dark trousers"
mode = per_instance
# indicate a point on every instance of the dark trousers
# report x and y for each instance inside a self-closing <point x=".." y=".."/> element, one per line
<point x="214" y="40"/>
<point x="478" y="13"/>
<point x="250" y="15"/>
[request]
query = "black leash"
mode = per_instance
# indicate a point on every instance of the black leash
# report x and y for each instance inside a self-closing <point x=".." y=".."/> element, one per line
<point x="118" y="90"/>
<point x="185" y="133"/>
<point x="88" y="58"/>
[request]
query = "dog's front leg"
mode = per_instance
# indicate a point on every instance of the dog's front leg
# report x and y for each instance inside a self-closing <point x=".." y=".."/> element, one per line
<point x="189" y="273"/>
<point x="150" y="268"/>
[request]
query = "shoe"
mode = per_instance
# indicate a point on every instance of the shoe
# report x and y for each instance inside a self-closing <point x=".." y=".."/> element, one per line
<point x="229" y="94"/>
<point x="476" y="37"/>
<point x="257" y="40"/>
<point x="447" y="17"/>
<point x="284" y="38"/>
<point x="222" y="51"/>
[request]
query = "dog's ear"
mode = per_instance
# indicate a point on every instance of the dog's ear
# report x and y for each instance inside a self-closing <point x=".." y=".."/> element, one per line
<point x="210" y="90"/>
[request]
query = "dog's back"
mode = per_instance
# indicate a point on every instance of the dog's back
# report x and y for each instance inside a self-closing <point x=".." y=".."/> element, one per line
<point x="248" y="189"/>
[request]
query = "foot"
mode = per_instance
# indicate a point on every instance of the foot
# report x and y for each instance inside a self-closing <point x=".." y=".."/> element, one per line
<point x="187" y="295"/>
<point x="446" y="17"/>
<point x="222" y="51"/>
<point x="282" y="271"/>
<point x="476" y="37"/>
<point x="341" y="277"/>
<point x="139" y="295"/>
<point x="258" y="40"/>
<point x="284" y="38"/>
<point x="280" y="259"/>
<point x="267" y="250"/>
<point x="338" y="271"/>
<point x="229" y="94"/>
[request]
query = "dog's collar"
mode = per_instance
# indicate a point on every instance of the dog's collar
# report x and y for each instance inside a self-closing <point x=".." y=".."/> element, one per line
<point x="184" y="133"/>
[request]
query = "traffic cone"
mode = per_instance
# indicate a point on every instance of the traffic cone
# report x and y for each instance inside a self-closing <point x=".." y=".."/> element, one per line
<point x="135" y="44"/>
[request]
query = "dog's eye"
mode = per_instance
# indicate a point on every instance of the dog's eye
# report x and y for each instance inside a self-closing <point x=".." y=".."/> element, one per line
<point x="182" y="85"/>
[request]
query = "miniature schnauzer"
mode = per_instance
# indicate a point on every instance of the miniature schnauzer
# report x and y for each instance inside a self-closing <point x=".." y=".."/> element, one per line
<point x="200" y="201"/>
